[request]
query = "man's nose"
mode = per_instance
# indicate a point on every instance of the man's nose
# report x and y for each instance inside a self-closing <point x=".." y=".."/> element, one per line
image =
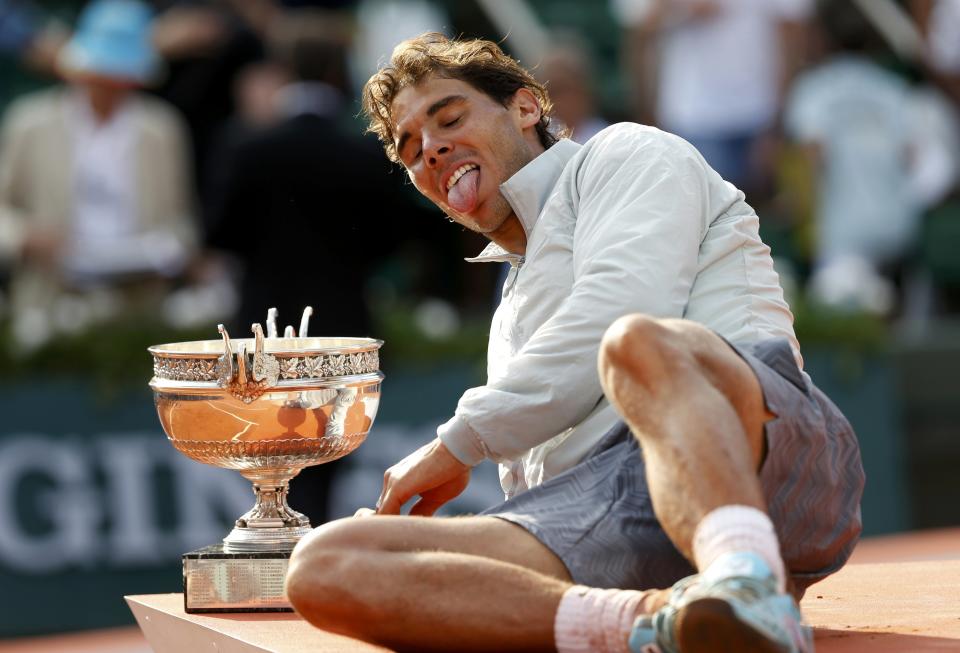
<point x="435" y="151"/>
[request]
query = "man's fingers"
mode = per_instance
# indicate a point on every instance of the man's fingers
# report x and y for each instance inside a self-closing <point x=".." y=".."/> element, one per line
<point x="425" y="508"/>
<point x="431" y="472"/>
<point x="365" y="512"/>
<point x="387" y="482"/>
<point x="390" y="502"/>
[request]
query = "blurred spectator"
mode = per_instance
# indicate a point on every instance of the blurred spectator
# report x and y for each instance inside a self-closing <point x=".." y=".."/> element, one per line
<point x="255" y="92"/>
<point x="938" y="22"/>
<point x="206" y="43"/>
<point x="567" y="69"/>
<point x="19" y="23"/>
<point x="941" y="28"/>
<point x="720" y="68"/>
<point x="878" y="165"/>
<point x="94" y="192"/>
<point x="27" y="32"/>
<point x="941" y="24"/>
<point x="212" y="46"/>
<point x="284" y="199"/>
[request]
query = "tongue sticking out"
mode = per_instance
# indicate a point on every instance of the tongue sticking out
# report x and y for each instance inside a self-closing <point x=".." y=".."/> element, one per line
<point x="463" y="196"/>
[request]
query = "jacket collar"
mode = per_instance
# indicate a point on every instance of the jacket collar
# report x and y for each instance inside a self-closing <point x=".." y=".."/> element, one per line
<point x="527" y="192"/>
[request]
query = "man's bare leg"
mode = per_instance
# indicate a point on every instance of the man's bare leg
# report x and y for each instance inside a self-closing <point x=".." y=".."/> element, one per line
<point x="419" y="583"/>
<point x="698" y="411"/>
<point x="484" y="584"/>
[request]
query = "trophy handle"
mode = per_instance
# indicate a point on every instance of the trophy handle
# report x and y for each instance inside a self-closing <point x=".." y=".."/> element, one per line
<point x="272" y="322"/>
<point x="266" y="368"/>
<point x="225" y="362"/>
<point x="305" y="321"/>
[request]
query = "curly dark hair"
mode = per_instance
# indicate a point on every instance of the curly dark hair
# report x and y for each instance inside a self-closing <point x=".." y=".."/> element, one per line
<point x="482" y="64"/>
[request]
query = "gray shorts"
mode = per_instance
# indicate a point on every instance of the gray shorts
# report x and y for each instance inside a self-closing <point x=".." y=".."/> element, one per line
<point x="597" y="517"/>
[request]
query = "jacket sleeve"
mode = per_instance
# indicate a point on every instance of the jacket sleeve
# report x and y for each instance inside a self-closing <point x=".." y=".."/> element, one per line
<point x="641" y="198"/>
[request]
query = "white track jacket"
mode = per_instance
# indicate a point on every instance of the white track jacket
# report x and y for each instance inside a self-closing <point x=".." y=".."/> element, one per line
<point x="634" y="221"/>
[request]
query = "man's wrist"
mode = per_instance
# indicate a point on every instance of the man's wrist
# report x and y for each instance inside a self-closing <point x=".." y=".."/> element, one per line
<point x="462" y="441"/>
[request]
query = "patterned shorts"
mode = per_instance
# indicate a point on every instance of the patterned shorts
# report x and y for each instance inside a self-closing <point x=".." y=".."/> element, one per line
<point x="597" y="517"/>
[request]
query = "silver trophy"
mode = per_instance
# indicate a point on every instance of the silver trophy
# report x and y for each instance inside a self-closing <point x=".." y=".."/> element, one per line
<point x="266" y="406"/>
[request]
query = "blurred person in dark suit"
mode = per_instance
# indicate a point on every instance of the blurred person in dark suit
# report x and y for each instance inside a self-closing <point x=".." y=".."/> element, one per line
<point x="280" y="199"/>
<point x="95" y="201"/>
<point x="208" y="44"/>
<point x="305" y="205"/>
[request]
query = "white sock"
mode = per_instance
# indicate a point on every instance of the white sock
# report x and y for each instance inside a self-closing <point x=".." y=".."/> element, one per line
<point x="591" y="620"/>
<point x="738" y="528"/>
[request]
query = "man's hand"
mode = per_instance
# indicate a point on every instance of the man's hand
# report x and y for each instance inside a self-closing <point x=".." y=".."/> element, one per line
<point x="431" y="472"/>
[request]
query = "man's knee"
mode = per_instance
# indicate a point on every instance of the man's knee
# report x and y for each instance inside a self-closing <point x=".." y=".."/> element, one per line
<point x="648" y="349"/>
<point x="315" y="554"/>
<point x="316" y="575"/>
<point x="667" y="360"/>
<point x="323" y="572"/>
<point x="351" y="533"/>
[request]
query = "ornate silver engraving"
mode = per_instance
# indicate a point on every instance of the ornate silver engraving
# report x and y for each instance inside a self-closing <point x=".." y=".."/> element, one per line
<point x="312" y="367"/>
<point x="289" y="368"/>
<point x="222" y="369"/>
<point x="336" y="365"/>
<point x="185" y="369"/>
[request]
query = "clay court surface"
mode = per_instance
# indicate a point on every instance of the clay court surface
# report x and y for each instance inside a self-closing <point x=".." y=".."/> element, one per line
<point x="899" y="593"/>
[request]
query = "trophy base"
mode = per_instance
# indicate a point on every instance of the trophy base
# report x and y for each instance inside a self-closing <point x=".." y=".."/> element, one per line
<point x="217" y="580"/>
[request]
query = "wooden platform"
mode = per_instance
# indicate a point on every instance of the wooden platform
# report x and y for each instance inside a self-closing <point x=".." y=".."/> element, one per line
<point x="881" y="607"/>
<point x="170" y="630"/>
<point x="900" y="593"/>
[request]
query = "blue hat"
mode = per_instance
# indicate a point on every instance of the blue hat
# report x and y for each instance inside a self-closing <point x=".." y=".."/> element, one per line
<point x="112" y="39"/>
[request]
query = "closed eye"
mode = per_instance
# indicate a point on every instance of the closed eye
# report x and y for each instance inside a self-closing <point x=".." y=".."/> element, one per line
<point x="453" y="122"/>
<point x="407" y="157"/>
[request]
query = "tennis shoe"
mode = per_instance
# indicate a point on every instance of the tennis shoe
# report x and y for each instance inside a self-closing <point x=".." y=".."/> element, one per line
<point x="732" y="607"/>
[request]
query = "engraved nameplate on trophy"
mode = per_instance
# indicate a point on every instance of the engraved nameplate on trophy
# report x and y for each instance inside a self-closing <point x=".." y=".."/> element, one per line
<point x="215" y="580"/>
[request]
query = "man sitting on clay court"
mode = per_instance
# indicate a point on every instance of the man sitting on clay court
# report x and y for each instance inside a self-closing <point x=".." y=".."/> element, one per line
<point x="727" y="459"/>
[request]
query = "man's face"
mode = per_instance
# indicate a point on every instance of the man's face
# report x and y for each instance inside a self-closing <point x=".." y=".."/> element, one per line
<point x="459" y="144"/>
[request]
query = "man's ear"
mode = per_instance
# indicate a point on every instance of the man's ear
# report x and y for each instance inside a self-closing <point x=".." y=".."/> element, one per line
<point x="526" y="108"/>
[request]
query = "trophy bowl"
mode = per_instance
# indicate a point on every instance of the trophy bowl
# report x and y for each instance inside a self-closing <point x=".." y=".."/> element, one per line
<point x="290" y="403"/>
<point x="266" y="407"/>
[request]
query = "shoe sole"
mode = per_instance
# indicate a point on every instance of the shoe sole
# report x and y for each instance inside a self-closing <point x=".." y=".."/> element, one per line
<point x="709" y="625"/>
